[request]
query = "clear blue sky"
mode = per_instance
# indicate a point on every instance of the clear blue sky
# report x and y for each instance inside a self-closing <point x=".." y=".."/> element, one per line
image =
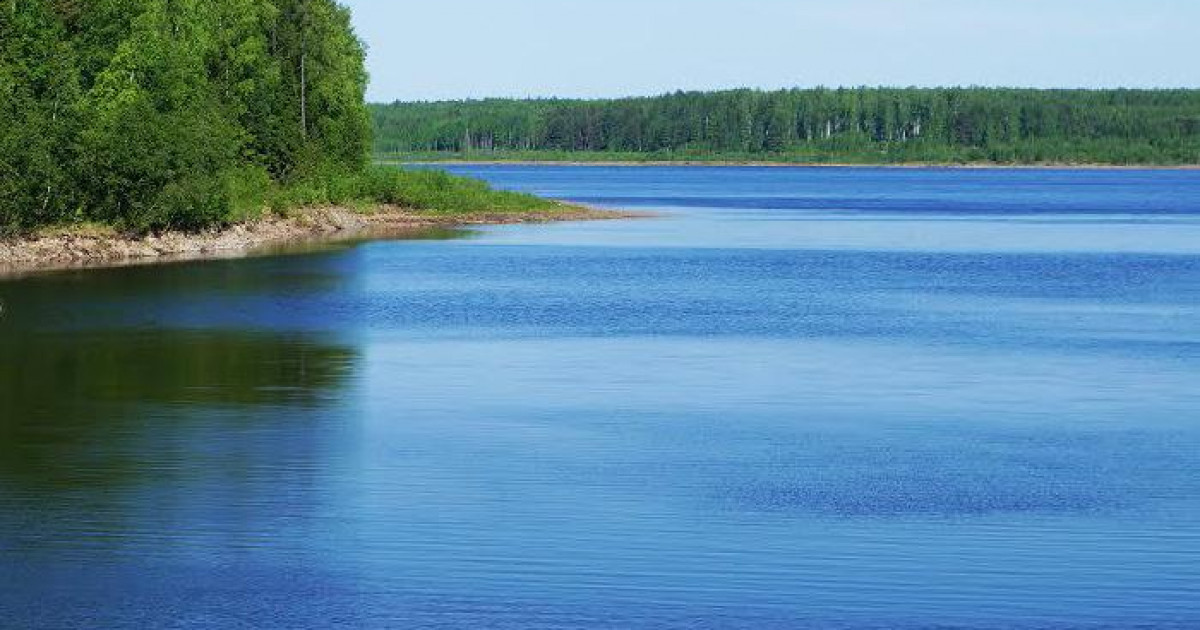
<point x="438" y="49"/>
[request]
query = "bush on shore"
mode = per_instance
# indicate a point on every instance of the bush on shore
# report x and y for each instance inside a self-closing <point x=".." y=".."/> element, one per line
<point x="430" y="191"/>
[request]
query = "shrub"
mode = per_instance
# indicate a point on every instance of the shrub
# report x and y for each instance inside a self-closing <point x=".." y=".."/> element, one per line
<point x="189" y="204"/>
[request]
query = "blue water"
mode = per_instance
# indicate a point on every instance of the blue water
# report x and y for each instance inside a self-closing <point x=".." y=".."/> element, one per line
<point x="792" y="398"/>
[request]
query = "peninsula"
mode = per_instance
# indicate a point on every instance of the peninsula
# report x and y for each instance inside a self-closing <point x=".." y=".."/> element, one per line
<point x="154" y="128"/>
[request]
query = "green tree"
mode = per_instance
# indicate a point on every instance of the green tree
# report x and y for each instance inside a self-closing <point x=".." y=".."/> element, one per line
<point x="150" y="113"/>
<point x="858" y="125"/>
<point x="38" y="88"/>
<point x="324" y="80"/>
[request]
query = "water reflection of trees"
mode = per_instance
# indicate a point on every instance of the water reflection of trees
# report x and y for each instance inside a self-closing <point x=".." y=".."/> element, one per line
<point x="76" y="407"/>
<point x="160" y="441"/>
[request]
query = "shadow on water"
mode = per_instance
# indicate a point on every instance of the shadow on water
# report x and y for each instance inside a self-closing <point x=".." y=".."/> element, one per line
<point x="74" y="409"/>
<point x="294" y="287"/>
<point x="173" y="442"/>
<point x="124" y="425"/>
<point x="97" y="366"/>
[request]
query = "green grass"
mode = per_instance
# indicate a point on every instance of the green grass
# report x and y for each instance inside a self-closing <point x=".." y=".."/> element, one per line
<point x="250" y="193"/>
<point x="431" y="191"/>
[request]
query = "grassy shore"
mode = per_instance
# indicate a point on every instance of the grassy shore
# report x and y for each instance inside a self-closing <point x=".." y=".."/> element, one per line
<point x="250" y="193"/>
<point x="382" y="203"/>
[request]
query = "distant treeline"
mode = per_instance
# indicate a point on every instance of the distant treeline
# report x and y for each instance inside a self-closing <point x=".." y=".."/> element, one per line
<point x="865" y="125"/>
<point x="162" y="113"/>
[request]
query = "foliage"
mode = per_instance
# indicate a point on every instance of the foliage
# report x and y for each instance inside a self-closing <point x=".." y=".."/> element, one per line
<point x="153" y="114"/>
<point x="426" y="190"/>
<point x="864" y="125"/>
<point x="438" y="191"/>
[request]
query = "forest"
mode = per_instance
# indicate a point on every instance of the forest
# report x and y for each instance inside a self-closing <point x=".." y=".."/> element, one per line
<point x="859" y="125"/>
<point x="169" y="113"/>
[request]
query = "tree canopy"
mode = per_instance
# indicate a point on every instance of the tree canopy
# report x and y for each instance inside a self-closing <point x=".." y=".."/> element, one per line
<point x="869" y="125"/>
<point x="154" y="113"/>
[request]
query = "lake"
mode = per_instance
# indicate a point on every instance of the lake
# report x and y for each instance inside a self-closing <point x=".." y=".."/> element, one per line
<point x="793" y="398"/>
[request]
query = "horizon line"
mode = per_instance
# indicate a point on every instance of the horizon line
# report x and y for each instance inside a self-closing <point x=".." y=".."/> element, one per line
<point x="837" y="88"/>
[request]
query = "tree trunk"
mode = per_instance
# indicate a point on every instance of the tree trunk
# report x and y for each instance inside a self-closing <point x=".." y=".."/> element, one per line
<point x="304" y="70"/>
<point x="303" y="93"/>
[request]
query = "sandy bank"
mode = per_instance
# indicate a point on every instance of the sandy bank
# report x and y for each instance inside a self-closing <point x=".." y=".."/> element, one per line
<point x="77" y="247"/>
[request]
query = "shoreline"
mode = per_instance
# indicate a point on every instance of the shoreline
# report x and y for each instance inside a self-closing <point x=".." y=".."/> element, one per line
<point x="828" y="165"/>
<point x="89" y="247"/>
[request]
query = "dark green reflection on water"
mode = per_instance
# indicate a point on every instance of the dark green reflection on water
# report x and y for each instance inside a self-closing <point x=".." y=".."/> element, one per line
<point x="68" y="401"/>
<point x="98" y="367"/>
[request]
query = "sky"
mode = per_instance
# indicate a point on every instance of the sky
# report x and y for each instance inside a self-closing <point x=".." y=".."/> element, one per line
<point x="457" y="49"/>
